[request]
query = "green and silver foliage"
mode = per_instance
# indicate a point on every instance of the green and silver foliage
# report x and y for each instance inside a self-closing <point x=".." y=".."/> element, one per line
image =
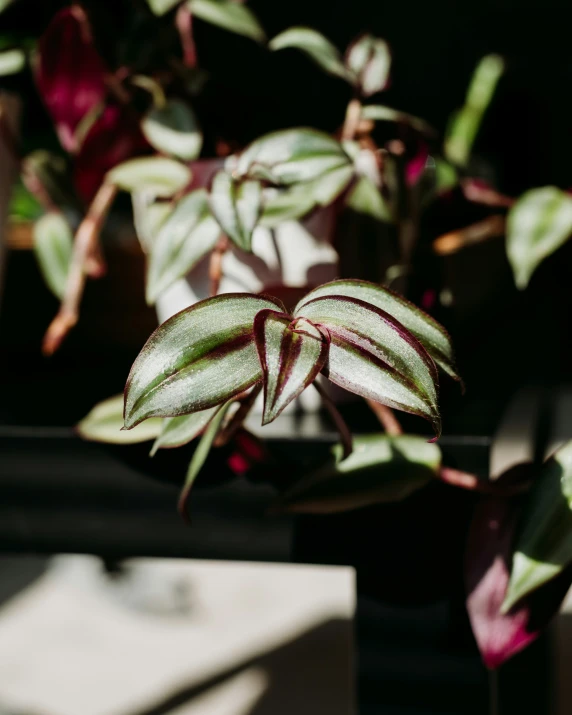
<point x="537" y="225"/>
<point x="104" y="423"/>
<point x="381" y="468"/>
<point x="366" y="64"/>
<point x="219" y="348"/>
<point x="236" y="205"/>
<point x="173" y="129"/>
<point x="159" y="176"/>
<point x="11" y="61"/>
<point x="465" y="124"/>
<point x="53" y="245"/>
<point x="544" y="544"/>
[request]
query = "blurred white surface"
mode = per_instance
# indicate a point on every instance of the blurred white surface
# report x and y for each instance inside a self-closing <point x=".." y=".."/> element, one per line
<point x="181" y="637"/>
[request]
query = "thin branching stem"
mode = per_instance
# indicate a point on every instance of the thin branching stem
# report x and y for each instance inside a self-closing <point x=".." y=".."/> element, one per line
<point x="386" y="418"/>
<point x="215" y="265"/>
<point x="237" y="420"/>
<point x="341" y="426"/>
<point x="86" y="256"/>
<point x="184" y="23"/>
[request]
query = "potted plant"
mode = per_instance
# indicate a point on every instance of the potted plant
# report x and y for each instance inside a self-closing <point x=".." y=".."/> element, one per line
<point x="252" y="226"/>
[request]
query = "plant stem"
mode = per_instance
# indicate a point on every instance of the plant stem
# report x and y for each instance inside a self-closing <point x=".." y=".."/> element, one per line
<point x="471" y="482"/>
<point x="341" y="426"/>
<point x="86" y="255"/>
<point x="153" y="87"/>
<point x="215" y="266"/>
<point x="184" y="23"/>
<point x="491" y="227"/>
<point x="352" y="120"/>
<point x="386" y="417"/>
<point x="8" y="137"/>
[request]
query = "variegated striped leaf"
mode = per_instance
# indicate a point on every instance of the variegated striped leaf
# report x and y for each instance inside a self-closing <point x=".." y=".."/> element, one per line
<point x="292" y="354"/>
<point x="236" y="205"/>
<point x="292" y="156"/>
<point x="315" y="45"/>
<point x="197" y="359"/>
<point x="430" y="334"/>
<point x="177" y="431"/>
<point x="368" y="61"/>
<point x="187" y="235"/>
<point x="373" y="355"/>
<point x="230" y="15"/>
<point x="157" y="175"/>
<point x="537" y="225"/>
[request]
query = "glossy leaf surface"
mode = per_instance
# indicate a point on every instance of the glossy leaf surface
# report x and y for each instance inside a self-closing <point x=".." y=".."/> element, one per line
<point x="374" y="356"/>
<point x="292" y="354"/>
<point x="197" y="359"/>
<point x="380" y="469"/>
<point x="537" y="225"/>
<point x="465" y="124"/>
<point x="230" y="15"/>
<point x="430" y="334"/>
<point x="157" y="175"/>
<point x="544" y="545"/>
<point x="315" y="45"/>
<point x="188" y="234"/>
<point x="368" y="61"/>
<point x="236" y="205"/>
<point x="173" y="130"/>
<point x="104" y="423"/>
<point x="177" y="431"/>
<point x="53" y="246"/>
<point x="292" y="156"/>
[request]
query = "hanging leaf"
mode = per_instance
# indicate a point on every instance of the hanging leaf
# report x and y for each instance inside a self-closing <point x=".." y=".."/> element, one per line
<point x="292" y="156"/>
<point x="380" y="113"/>
<point x="368" y="61"/>
<point x="53" y="246"/>
<point x="188" y="234"/>
<point x="366" y="198"/>
<point x="544" y="544"/>
<point x="197" y="359"/>
<point x="177" y="431"/>
<point x="174" y="130"/>
<point x="156" y="175"/>
<point x="374" y="356"/>
<point x="428" y="331"/>
<point x="160" y="7"/>
<point x="380" y="469"/>
<point x="230" y="15"/>
<point x="11" y="62"/>
<point x="501" y="635"/>
<point x="148" y="217"/>
<point x="313" y="44"/>
<point x="200" y="456"/>
<point x="292" y="355"/>
<point x="465" y="124"/>
<point x="537" y="225"/>
<point x="236" y="206"/>
<point x="104" y="423"/>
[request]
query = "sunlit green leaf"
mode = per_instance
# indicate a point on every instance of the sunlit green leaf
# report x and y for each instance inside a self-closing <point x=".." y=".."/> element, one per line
<point x="368" y="61"/>
<point x="428" y="331"/>
<point x="104" y="423"/>
<point x="292" y="354"/>
<point x="201" y="453"/>
<point x="11" y="61"/>
<point x="230" y="15"/>
<point x="188" y="234"/>
<point x="236" y="205"/>
<point x="373" y="355"/>
<point x="173" y="130"/>
<point x="156" y="175"/>
<point x="366" y="198"/>
<point x="544" y="544"/>
<point x="177" y="431"/>
<point x="292" y="156"/>
<point x="537" y="225"/>
<point x="315" y="45"/>
<point x="380" y="469"/>
<point x="53" y="246"/>
<point x="160" y="7"/>
<point x="380" y="113"/>
<point x="197" y="359"/>
<point x="465" y="124"/>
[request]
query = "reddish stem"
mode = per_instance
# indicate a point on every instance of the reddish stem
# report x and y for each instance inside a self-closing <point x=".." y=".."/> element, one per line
<point x="215" y="266"/>
<point x="386" y="417"/>
<point x="184" y="23"/>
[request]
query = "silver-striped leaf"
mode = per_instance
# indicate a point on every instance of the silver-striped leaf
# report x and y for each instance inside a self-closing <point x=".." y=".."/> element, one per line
<point x="197" y="359"/>
<point x="428" y="331"/>
<point x="368" y="61"/>
<point x="157" y="175"/>
<point x="104" y="423"/>
<point x="236" y="205"/>
<point x="173" y="130"/>
<point x="292" y="355"/>
<point x="230" y="15"/>
<point x="324" y="53"/>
